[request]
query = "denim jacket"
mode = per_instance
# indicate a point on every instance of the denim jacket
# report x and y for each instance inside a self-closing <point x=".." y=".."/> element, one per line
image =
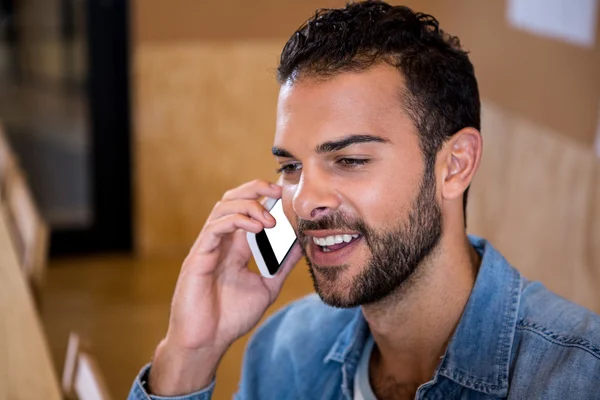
<point x="515" y="340"/>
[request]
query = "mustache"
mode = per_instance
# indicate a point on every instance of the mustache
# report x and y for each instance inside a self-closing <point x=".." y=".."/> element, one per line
<point x="336" y="221"/>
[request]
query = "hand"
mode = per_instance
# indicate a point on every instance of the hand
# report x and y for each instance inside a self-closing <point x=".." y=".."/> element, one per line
<point x="217" y="299"/>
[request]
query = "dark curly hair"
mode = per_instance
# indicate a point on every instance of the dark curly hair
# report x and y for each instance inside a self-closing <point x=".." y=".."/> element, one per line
<point x="441" y="94"/>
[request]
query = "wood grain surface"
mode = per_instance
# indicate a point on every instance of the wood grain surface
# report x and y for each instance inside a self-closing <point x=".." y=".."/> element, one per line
<point x="26" y="369"/>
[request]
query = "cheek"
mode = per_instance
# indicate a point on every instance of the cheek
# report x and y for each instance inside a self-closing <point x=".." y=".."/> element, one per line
<point x="384" y="199"/>
<point x="287" y="197"/>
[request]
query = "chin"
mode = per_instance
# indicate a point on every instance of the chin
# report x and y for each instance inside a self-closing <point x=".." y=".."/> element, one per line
<point x="338" y="299"/>
<point x="334" y="285"/>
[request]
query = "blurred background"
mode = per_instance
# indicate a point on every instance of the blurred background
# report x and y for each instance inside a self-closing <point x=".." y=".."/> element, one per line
<point x="126" y="121"/>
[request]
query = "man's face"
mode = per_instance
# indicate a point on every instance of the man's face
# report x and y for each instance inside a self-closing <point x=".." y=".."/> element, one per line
<point x="355" y="185"/>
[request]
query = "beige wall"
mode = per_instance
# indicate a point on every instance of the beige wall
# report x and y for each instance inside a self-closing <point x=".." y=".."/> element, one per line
<point x="204" y="120"/>
<point x="205" y="95"/>
<point x="551" y="82"/>
<point x="192" y="20"/>
<point x="539" y="208"/>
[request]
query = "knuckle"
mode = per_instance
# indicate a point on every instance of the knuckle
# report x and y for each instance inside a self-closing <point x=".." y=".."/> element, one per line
<point x="228" y="194"/>
<point x="259" y="208"/>
<point x="232" y="219"/>
<point x="210" y="225"/>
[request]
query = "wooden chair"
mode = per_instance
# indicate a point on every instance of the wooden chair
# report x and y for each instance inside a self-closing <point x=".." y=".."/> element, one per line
<point x="82" y="378"/>
<point x="29" y="230"/>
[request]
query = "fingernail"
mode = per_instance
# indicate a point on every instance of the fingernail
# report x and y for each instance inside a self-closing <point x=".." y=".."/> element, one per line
<point x="274" y="186"/>
<point x="268" y="215"/>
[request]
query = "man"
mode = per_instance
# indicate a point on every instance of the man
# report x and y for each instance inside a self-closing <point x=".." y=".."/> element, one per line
<point x="378" y="136"/>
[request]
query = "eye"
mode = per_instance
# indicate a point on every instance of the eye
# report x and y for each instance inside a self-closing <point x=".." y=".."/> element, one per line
<point x="352" y="162"/>
<point x="289" y="168"/>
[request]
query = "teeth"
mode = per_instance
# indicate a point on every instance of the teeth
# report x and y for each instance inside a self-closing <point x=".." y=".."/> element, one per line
<point x="334" y="239"/>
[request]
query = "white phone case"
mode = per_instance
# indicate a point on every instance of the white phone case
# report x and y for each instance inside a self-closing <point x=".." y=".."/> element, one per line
<point x="251" y="237"/>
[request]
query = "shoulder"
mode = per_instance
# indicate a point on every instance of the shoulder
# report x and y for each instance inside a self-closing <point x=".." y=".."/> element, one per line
<point x="558" y="320"/>
<point x="556" y="346"/>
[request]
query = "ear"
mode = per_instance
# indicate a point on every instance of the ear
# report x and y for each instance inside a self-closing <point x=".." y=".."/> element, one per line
<point x="459" y="162"/>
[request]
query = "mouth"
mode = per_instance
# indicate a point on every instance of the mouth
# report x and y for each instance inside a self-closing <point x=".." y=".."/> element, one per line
<point x="331" y="243"/>
<point x="333" y="249"/>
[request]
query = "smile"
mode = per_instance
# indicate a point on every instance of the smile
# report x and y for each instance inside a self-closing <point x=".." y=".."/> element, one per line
<point x="332" y="243"/>
<point x="334" y="239"/>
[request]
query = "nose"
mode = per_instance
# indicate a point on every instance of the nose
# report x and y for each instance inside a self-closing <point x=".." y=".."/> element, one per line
<point x="315" y="195"/>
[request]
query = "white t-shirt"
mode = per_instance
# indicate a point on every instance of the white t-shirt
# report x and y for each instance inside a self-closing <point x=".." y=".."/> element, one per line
<point x="362" y="386"/>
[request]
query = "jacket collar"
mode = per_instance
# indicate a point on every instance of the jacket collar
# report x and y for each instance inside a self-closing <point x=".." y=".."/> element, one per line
<point x="478" y="355"/>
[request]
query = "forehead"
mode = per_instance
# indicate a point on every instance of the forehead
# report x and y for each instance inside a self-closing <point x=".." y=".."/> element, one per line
<point x="351" y="102"/>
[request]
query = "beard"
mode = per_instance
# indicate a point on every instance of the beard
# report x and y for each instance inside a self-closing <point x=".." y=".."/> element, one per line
<point x="395" y="253"/>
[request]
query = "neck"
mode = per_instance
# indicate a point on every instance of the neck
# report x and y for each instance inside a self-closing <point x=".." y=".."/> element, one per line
<point x="413" y="326"/>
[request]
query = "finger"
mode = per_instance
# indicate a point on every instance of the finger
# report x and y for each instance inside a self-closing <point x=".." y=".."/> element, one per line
<point x="250" y="208"/>
<point x="275" y="283"/>
<point x="253" y="191"/>
<point x="240" y="247"/>
<point x="211" y="236"/>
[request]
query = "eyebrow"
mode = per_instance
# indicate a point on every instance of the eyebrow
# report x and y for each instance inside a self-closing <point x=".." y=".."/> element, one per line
<point x="279" y="152"/>
<point x="334" y="145"/>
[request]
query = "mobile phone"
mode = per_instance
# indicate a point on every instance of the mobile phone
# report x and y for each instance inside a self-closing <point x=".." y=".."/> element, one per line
<point x="270" y="247"/>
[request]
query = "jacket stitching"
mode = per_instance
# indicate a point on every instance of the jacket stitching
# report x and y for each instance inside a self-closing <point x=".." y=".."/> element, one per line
<point x="562" y="340"/>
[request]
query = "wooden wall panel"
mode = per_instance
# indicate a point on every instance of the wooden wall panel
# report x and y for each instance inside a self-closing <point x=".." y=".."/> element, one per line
<point x="193" y="20"/>
<point x="204" y="116"/>
<point x="594" y="227"/>
<point x="550" y="82"/>
<point x="531" y="199"/>
<point x="553" y="83"/>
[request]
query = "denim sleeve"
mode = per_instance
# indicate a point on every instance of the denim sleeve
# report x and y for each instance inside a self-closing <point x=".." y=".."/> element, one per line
<point x="138" y="393"/>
